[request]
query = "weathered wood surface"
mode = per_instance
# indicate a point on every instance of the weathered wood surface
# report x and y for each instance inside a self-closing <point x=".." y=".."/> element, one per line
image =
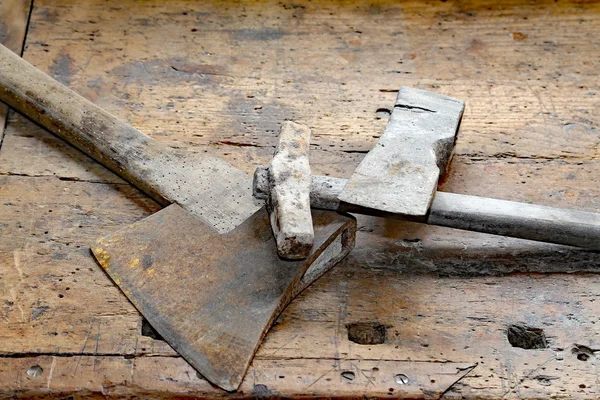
<point x="219" y="78"/>
<point x="14" y="15"/>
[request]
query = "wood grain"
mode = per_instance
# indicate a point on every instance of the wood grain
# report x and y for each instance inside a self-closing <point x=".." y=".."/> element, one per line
<point x="219" y="78"/>
<point x="14" y="16"/>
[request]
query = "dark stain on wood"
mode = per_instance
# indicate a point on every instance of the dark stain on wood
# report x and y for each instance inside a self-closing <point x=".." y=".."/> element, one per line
<point x="184" y="65"/>
<point x="262" y="391"/>
<point x="62" y="69"/>
<point x="37" y="311"/>
<point x="261" y="34"/>
<point x="154" y="72"/>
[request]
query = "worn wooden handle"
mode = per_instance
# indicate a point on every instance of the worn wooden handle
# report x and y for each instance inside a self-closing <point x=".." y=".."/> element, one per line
<point x="471" y="213"/>
<point x="208" y="187"/>
<point x="113" y="143"/>
<point x="514" y="219"/>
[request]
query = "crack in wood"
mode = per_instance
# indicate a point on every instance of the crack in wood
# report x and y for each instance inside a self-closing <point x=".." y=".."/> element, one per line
<point x="469" y="369"/>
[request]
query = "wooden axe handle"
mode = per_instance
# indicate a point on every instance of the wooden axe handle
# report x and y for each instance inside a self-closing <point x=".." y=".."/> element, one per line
<point x="472" y="213"/>
<point x="101" y="135"/>
<point x="198" y="183"/>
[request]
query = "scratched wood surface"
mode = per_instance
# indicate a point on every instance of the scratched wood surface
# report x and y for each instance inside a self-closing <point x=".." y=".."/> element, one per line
<point x="219" y="77"/>
<point x="14" y="15"/>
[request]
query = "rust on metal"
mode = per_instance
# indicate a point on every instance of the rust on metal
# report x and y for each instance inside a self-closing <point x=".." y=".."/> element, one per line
<point x="213" y="296"/>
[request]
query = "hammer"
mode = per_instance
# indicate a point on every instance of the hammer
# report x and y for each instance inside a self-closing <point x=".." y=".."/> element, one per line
<point x="398" y="179"/>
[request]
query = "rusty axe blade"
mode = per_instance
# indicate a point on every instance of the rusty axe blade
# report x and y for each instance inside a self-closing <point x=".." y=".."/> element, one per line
<point x="214" y="295"/>
<point x="181" y="256"/>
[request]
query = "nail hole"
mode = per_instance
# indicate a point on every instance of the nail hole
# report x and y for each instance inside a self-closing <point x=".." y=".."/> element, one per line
<point x="382" y="113"/>
<point x="36" y="370"/>
<point x="526" y="337"/>
<point x="349" y="375"/>
<point x="401" y="379"/>
<point x="545" y="380"/>
<point x="583" y="353"/>
<point x="366" y="332"/>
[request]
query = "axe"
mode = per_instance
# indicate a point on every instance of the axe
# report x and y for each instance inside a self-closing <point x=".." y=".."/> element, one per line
<point x="398" y="179"/>
<point x="203" y="271"/>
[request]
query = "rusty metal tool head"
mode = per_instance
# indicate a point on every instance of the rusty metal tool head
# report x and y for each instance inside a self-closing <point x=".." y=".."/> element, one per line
<point x="214" y="295"/>
<point x="289" y="195"/>
<point x="204" y="271"/>
<point x="400" y="174"/>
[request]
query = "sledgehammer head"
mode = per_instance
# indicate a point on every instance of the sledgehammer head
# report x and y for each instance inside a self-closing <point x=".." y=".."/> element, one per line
<point x="400" y="174"/>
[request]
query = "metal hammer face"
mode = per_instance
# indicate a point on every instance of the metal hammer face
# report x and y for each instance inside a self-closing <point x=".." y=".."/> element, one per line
<point x="400" y="174"/>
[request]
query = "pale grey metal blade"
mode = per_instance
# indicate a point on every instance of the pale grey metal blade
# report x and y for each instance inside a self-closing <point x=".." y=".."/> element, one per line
<point x="400" y="174"/>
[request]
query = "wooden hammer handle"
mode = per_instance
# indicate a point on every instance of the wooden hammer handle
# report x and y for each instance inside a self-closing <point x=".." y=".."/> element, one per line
<point x="472" y="213"/>
<point x="113" y="143"/>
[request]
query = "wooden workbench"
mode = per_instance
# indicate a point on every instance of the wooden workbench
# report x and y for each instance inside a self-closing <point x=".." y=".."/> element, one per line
<point x="219" y="77"/>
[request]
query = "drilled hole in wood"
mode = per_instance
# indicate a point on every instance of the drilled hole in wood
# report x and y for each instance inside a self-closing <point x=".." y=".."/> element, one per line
<point x="35" y="370"/>
<point x="382" y="113"/>
<point x="349" y="375"/>
<point x="366" y="332"/>
<point x="526" y="337"/>
<point x="148" y="330"/>
<point x="583" y="353"/>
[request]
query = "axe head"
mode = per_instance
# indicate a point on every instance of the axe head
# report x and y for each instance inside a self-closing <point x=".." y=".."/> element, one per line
<point x="400" y="174"/>
<point x="213" y="296"/>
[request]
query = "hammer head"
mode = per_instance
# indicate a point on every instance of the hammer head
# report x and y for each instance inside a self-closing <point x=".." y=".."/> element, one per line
<point x="289" y="199"/>
<point x="400" y="174"/>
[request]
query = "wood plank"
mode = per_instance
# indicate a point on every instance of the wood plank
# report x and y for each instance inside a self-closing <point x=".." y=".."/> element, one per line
<point x="14" y="16"/>
<point x="165" y="377"/>
<point x="515" y="111"/>
<point x="219" y="78"/>
<point x="424" y="328"/>
<point x="425" y="331"/>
